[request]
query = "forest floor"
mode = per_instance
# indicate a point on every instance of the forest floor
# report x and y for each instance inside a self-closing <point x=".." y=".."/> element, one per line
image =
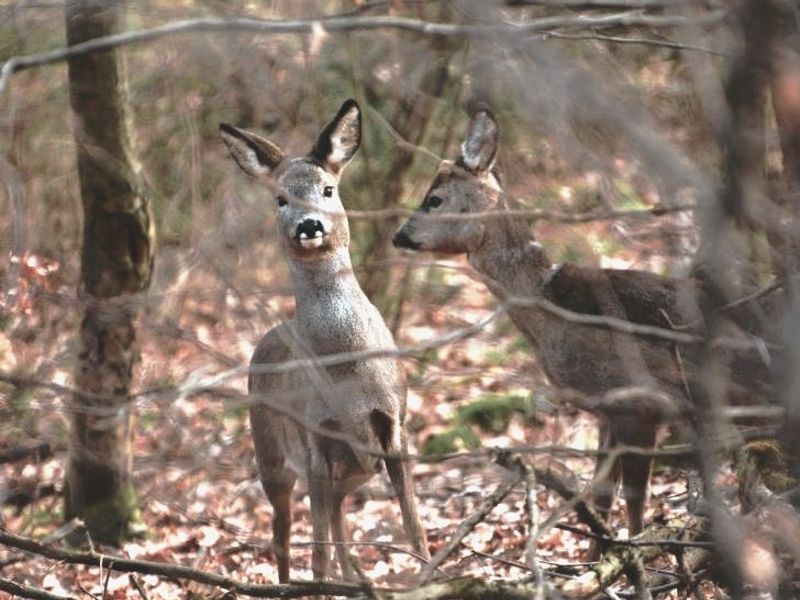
<point x="194" y="469"/>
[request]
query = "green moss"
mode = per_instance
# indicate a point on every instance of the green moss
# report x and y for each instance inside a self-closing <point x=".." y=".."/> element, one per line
<point x="115" y="520"/>
<point x="43" y="516"/>
<point x="459" y="437"/>
<point x="491" y="413"/>
<point x="520" y="345"/>
<point x="629" y="199"/>
<point x="571" y="253"/>
<point x="501" y="357"/>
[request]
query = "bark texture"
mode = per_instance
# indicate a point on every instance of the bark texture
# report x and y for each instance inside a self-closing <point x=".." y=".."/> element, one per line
<point x="116" y="263"/>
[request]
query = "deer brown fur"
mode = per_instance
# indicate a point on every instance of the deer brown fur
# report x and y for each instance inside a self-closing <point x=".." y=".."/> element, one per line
<point x="362" y="400"/>
<point x="593" y="360"/>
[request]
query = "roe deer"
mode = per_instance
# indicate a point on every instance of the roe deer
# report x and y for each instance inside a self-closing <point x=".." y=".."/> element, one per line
<point x="589" y="359"/>
<point x="364" y="400"/>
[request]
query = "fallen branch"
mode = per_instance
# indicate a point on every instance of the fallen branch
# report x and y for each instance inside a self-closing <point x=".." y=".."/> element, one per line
<point x="467" y="588"/>
<point x="38" y="450"/>
<point x="621" y="558"/>
<point x="502" y="490"/>
<point x="26" y="591"/>
<point x="127" y="565"/>
<point x="23" y="494"/>
<point x="667" y="544"/>
<point x="558" y="483"/>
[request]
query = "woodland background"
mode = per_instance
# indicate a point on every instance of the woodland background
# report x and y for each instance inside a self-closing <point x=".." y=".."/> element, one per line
<point x="624" y="131"/>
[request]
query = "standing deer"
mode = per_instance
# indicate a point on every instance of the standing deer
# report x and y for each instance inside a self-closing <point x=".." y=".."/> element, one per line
<point x="360" y="400"/>
<point x="589" y="359"/>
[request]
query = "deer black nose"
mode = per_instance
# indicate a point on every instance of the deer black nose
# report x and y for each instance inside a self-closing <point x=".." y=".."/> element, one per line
<point x="309" y="228"/>
<point x="402" y="240"/>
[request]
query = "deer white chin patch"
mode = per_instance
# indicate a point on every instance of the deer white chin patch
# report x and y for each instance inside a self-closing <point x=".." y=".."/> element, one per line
<point x="311" y="242"/>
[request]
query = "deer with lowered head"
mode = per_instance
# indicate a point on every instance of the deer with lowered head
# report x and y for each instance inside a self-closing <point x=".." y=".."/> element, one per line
<point x="593" y="360"/>
<point x="362" y="402"/>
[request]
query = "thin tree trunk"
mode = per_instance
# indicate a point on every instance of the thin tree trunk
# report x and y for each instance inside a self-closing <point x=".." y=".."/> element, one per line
<point x="784" y="81"/>
<point x="116" y="263"/>
<point x="415" y="117"/>
<point x="785" y="88"/>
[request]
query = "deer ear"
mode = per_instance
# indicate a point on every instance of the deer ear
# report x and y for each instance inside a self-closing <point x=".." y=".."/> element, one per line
<point x="340" y="139"/>
<point x="479" y="148"/>
<point x="255" y="156"/>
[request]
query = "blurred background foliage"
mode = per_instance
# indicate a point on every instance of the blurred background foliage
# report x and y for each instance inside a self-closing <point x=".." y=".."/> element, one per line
<point x="590" y="125"/>
<point x="219" y="280"/>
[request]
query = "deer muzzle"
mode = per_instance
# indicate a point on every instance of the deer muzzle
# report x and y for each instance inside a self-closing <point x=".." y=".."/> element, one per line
<point x="310" y="233"/>
<point x="402" y="240"/>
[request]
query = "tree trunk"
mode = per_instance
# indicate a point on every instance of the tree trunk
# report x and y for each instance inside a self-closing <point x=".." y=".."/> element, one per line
<point x="785" y="88"/>
<point x="415" y="115"/>
<point x="116" y="263"/>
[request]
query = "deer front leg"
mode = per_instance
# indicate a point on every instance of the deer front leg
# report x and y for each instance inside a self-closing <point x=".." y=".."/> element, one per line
<point x="606" y="476"/>
<point x="636" y="471"/>
<point x="340" y="536"/>
<point x="606" y="480"/>
<point x="321" y="493"/>
<point x="400" y="474"/>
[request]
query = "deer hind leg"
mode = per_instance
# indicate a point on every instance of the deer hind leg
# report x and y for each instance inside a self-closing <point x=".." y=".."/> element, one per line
<point x="607" y="479"/>
<point x="278" y="481"/>
<point x="636" y="471"/>
<point x="334" y="474"/>
<point x="279" y="491"/>
<point x="399" y="471"/>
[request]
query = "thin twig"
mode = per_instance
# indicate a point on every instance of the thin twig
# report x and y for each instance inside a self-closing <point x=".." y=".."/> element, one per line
<point x="532" y="214"/>
<point x="399" y="140"/>
<point x="502" y="490"/>
<point x="384" y="545"/>
<point x="137" y="584"/>
<point x="532" y="511"/>
<point x="630" y="40"/>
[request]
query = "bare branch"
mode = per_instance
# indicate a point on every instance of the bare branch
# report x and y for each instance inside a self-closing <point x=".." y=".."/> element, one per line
<point x="631" y="40"/>
<point x="400" y="141"/>
<point x="533" y="214"/>
<point x="559" y="484"/>
<point x="343" y="24"/>
<point x="502" y="490"/>
<point x="532" y="512"/>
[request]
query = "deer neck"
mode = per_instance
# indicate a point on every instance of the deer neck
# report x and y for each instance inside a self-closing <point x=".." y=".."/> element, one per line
<point x="513" y="263"/>
<point x="329" y="301"/>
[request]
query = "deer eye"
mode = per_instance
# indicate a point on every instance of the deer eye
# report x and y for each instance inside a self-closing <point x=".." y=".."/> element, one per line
<point x="433" y="202"/>
<point x="327" y="191"/>
<point x="282" y="201"/>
